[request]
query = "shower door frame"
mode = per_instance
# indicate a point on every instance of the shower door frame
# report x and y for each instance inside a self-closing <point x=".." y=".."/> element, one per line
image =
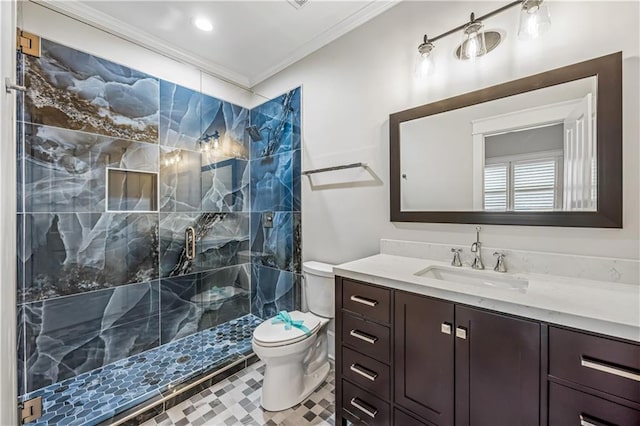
<point x="8" y="193"/>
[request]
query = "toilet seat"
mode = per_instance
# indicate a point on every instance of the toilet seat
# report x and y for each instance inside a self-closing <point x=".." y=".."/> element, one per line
<point x="272" y="335"/>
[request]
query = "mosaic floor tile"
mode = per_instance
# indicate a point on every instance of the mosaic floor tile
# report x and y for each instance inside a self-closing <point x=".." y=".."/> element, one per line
<point x="236" y="401"/>
<point x="99" y="395"/>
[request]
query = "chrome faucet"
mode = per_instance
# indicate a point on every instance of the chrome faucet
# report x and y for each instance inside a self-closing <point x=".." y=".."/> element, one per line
<point x="500" y="265"/>
<point x="456" y="257"/>
<point x="476" y="249"/>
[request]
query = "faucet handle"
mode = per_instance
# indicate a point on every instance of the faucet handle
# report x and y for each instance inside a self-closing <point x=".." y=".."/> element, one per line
<point x="500" y="265"/>
<point x="456" y="257"/>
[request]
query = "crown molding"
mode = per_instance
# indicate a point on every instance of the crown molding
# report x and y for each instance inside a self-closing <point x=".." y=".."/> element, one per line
<point x="81" y="12"/>
<point x="84" y="13"/>
<point x="364" y="14"/>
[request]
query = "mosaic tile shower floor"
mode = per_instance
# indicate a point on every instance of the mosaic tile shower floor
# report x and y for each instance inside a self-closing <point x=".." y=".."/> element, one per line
<point x="99" y="395"/>
<point x="236" y="401"/>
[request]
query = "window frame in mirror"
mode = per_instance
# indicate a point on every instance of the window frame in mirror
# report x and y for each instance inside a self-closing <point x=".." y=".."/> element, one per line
<point x="608" y="71"/>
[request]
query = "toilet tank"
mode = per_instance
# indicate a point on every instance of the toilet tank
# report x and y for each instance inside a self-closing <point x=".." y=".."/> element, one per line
<point x="319" y="288"/>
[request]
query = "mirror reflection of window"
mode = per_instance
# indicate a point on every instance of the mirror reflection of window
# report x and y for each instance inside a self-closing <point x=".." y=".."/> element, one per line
<point x="543" y="167"/>
<point x="523" y="170"/>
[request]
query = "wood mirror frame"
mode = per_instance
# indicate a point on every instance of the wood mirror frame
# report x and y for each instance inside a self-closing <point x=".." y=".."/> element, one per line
<point x="608" y="70"/>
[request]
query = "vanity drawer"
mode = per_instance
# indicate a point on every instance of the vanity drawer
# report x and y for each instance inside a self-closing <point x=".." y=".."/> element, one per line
<point x="569" y="407"/>
<point x="372" y="302"/>
<point x="370" y="374"/>
<point x="600" y="363"/>
<point x="402" y="419"/>
<point x="368" y="408"/>
<point x="367" y="337"/>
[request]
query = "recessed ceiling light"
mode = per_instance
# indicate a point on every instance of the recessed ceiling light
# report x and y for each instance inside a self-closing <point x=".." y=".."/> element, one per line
<point x="203" y="24"/>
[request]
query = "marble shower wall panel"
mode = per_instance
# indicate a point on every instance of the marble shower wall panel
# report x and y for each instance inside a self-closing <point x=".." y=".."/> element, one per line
<point x="197" y="302"/>
<point x="188" y="117"/>
<point x="68" y="336"/>
<point x="222" y="239"/>
<point x="297" y="181"/>
<point x="69" y="253"/>
<point x="272" y="183"/>
<point x="273" y="247"/>
<point x="276" y="252"/>
<point x="65" y="170"/>
<point x="278" y="121"/>
<point x="225" y="186"/>
<point x="180" y="180"/>
<point x="276" y="290"/>
<point x="78" y="91"/>
<point x="297" y="243"/>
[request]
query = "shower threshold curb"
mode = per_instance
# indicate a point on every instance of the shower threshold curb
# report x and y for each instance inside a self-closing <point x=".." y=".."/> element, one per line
<point x="182" y="392"/>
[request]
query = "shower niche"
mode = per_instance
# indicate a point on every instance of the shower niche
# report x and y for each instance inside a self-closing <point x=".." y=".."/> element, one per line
<point x="129" y="190"/>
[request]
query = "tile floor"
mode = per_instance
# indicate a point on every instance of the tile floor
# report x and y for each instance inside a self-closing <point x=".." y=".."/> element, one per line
<point x="236" y="401"/>
<point x="99" y="395"/>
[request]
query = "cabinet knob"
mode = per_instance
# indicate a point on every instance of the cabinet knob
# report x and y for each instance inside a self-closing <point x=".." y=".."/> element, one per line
<point x="445" y="327"/>
<point x="461" y="333"/>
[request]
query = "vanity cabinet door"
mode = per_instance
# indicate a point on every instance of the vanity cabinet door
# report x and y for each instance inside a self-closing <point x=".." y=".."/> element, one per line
<point x="423" y="357"/>
<point x="497" y="369"/>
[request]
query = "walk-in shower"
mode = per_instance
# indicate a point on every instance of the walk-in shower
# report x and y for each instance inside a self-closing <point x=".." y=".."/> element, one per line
<point x="143" y="264"/>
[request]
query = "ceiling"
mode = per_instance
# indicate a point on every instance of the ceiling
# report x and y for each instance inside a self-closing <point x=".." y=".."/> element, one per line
<point x="250" y="41"/>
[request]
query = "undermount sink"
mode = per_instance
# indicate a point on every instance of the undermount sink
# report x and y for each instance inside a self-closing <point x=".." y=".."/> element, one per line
<point x="473" y="277"/>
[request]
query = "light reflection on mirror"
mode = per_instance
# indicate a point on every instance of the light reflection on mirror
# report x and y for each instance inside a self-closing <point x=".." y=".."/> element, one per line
<point x="535" y="151"/>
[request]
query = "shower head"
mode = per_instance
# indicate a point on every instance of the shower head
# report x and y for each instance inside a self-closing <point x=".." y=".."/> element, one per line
<point x="254" y="133"/>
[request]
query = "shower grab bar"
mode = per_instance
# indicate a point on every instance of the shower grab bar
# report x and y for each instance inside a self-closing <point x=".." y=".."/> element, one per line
<point x="331" y="169"/>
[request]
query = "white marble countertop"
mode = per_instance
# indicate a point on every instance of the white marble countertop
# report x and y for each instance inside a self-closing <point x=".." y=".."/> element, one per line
<point x="603" y="307"/>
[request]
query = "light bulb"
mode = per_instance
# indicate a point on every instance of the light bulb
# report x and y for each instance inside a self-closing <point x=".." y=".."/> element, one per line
<point x="472" y="46"/>
<point x="424" y="61"/>
<point x="216" y="144"/>
<point x="534" y="19"/>
<point x="473" y="43"/>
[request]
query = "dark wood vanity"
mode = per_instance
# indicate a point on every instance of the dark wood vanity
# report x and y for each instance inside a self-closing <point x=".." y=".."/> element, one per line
<point x="407" y="359"/>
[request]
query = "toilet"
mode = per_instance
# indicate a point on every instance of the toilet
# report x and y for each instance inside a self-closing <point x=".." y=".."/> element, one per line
<point x="296" y="360"/>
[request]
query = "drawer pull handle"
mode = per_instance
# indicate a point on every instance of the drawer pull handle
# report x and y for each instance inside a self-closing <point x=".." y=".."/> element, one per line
<point x="445" y="327"/>
<point x="609" y="369"/>
<point x="363" y="336"/>
<point x="364" y="407"/>
<point x="364" y="301"/>
<point x="588" y="421"/>
<point x="364" y="372"/>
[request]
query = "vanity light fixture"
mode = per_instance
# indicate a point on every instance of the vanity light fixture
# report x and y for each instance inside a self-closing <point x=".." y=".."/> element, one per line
<point x="172" y="158"/>
<point x="534" y="20"/>
<point x="473" y="41"/>
<point x="210" y="141"/>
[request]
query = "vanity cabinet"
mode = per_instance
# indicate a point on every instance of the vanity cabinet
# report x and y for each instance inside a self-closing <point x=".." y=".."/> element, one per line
<point x="497" y="374"/>
<point x="424" y="357"/>
<point x="482" y="365"/>
<point x="412" y="360"/>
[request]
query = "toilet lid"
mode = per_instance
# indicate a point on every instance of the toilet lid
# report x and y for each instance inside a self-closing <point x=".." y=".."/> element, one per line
<point x="268" y="334"/>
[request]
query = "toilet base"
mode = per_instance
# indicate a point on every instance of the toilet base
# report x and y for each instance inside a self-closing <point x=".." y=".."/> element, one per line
<point x="310" y="383"/>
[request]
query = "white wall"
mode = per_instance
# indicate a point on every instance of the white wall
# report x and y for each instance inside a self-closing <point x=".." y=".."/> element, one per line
<point x="352" y="85"/>
<point x="70" y="32"/>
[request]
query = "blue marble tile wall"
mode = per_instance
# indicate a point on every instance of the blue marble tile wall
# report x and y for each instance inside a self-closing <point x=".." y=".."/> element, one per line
<point x="276" y="261"/>
<point x="96" y="286"/>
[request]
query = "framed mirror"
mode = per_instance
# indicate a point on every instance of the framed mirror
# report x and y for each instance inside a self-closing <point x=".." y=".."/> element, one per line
<point x="542" y="150"/>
